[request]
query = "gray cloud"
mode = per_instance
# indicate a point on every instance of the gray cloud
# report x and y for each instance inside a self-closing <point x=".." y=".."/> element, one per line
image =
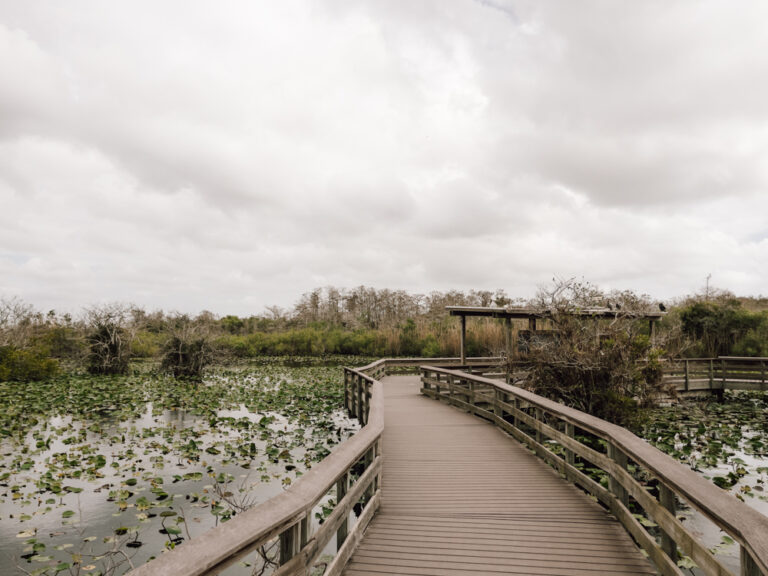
<point x="183" y="157"/>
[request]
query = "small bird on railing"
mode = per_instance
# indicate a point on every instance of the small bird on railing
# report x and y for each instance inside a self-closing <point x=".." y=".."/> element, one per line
<point x="662" y="307"/>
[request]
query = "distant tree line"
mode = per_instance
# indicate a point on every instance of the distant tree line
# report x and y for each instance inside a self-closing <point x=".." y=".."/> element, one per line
<point x="361" y="321"/>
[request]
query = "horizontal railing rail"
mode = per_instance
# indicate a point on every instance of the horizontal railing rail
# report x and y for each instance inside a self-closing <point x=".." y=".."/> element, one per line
<point x="721" y="373"/>
<point x="353" y="469"/>
<point x="539" y="423"/>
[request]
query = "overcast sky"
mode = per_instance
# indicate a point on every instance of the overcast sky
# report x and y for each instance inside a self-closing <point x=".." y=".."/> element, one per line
<point x="231" y="155"/>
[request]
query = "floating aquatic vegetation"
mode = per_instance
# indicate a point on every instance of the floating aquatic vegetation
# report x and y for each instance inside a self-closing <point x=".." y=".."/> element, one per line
<point x="150" y="461"/>
<point x="726" y="442"/>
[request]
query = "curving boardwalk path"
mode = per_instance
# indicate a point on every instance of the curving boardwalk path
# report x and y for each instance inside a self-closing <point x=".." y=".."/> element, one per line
<point x="460" y="497"/>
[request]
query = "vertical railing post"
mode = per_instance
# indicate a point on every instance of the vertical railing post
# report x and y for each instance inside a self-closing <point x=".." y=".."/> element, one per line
<point x="515" y="419"/>
<point x="497" y="400"/>
<point x="463" y="340"/>
<point x="723" y="374"/>
<point x="346" y="392"/>
<point x="471" y="394"/>
<point x="370" y="456"/>
<point x="762" y="375"/>
<point x="667" y="500"/>
<point x="377" y="480"/>
<point x="538" y="414"/>
<point x="722" y="371"/>
<point x="359" y="391"/>
<point x="289" y="541"/>
<point x="748" y="565"/>
<point x="614" y="485"/>
<point x="304" y="527"/>
<point x="342" y="485"/>
<point x="711" y="373"/>
<point x="687" y="377"/>
<point x="570" y="431"/>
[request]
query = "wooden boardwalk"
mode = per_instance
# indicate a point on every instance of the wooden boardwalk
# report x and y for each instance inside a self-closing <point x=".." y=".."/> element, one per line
<point x="460" y="497"/>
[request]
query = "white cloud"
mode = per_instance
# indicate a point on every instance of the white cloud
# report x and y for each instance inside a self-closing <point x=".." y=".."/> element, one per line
<point x="183" y="157"/>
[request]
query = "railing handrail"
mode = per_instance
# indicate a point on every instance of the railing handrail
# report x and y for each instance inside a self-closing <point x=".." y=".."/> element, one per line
<point x="745" y="359"/>
<point x="219" y="547"/>
<point x="746" y="525"/>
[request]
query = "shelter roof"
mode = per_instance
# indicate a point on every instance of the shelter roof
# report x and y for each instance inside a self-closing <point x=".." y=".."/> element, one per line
<point x="524" y="312"/>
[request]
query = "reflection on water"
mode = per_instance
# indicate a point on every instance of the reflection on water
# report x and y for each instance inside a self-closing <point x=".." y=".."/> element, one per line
<point x="74" y="490"/>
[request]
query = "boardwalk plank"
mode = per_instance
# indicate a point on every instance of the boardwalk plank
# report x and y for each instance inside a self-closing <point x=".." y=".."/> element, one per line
<point x="460" y="497"/>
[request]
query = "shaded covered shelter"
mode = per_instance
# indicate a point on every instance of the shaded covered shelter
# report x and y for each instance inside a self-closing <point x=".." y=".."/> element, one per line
<point x="531" y="315"/>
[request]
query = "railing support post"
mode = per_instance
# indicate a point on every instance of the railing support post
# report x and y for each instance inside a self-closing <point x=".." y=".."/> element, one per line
<point x="614" y="485"/>
<point x="538" y="414"/>
<point x="515" y="419"/>
<point x="721" y="391"/>
<point x="570" y="431"/>
<point x="748" y="566"/>
<point x="289" y="543"/>
<point x="370" y="456"/>
<point x="667" y="499"/>
<point x="497" y="400"/>
<point x="377" y="480"/>
<point x="342" y="485"/>
<point x="687" y="378"/>
<point x="359" y="390"/>
<point x="346" y="393"/>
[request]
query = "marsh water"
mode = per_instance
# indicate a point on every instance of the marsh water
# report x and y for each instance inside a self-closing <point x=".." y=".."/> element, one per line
<point x="99" y="474"/>
<point x="727" y="443"/>
<point x="107" y="485"/>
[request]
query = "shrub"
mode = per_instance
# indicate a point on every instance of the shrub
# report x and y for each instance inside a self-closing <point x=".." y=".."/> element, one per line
<point x="108" y="350"/>
<point x="26" y="365"/>
<point x="109" y="340"/>
<point x="722" y="328"/>
<point x="186" y="358"/>
<point x="607" y="368"/>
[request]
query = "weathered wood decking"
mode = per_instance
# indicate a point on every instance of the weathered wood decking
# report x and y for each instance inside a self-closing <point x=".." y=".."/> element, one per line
<point x="461" y="497"/>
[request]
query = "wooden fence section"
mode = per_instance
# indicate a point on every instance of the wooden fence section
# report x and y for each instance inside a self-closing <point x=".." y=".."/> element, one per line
<point x="462" y="498"/>
<point x="539" y="422"/>
<point x="724" y="372"/>
<point x="351" y="472"/>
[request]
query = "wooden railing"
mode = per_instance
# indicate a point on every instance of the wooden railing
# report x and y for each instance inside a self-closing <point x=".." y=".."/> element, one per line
<point x="621" y="456"/>
<point x="353" y="470"/>
<point x="352" y="473"/>
<point x="724" y="372"/>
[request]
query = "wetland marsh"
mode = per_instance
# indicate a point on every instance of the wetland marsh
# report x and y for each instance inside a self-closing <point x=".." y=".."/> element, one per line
<point x="101" y="473"/>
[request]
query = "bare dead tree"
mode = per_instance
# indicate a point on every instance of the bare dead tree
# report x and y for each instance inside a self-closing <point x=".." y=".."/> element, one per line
<point x="109" y="338"/>
<point x="604" y="366"/>
<point x="188" y="349"/>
